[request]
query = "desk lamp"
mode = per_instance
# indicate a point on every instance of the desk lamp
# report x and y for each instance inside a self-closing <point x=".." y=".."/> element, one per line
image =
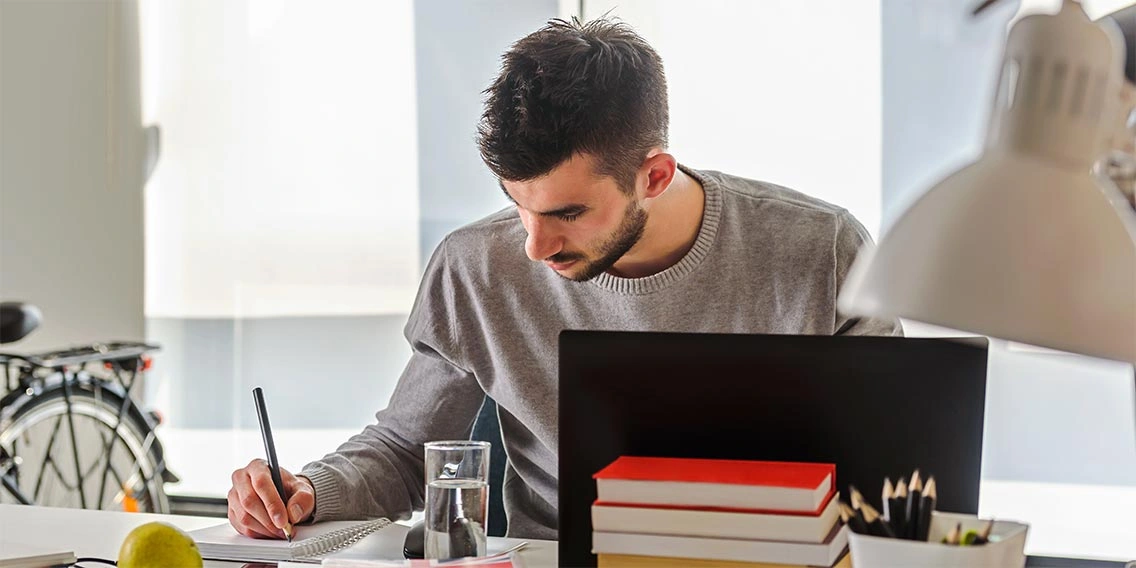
<point x="1033" y="242"/>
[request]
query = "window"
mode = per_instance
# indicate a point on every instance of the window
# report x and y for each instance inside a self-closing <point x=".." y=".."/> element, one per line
<point x="782" y="91"/>
<point x="313" y="154"/>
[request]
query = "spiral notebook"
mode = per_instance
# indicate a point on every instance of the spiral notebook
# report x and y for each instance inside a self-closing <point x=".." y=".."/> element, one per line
<point x="377" y="539"/>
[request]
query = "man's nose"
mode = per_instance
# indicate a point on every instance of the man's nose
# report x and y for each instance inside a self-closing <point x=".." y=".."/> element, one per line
<point x="542" y="241"/>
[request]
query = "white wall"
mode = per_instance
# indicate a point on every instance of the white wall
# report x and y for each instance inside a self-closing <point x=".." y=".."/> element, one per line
<point x="71" y="168"/>
<point x="784" y="91"/>
<point x="288" y="184"/>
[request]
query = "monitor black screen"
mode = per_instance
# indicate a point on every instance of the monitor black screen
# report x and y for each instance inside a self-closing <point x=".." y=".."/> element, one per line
<point x="874" y="406"/>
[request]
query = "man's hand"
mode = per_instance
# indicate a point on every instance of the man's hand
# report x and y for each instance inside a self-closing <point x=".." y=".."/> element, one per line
<point x="255" y="508"/>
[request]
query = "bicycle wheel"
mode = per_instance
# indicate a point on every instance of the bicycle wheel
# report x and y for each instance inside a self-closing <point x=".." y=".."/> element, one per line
<point x="83" y="461"/>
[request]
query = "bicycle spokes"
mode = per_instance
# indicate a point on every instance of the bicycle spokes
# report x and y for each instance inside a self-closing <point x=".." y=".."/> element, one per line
<point x="107" y="474"/>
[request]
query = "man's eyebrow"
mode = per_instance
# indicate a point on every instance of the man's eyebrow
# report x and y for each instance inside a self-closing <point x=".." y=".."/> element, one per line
<point x="506" y="192"/>
<point x="567" y="210"/>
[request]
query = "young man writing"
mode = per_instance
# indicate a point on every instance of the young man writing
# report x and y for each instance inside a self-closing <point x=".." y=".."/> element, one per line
<point x="608" y="232"/>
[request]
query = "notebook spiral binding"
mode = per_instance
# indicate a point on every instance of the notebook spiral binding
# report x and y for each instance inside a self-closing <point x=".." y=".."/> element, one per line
<point x="315" y="547"/>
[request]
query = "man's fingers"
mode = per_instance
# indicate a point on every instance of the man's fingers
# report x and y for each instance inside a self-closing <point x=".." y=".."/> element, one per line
<point x="300" y="506"/>
<point x="246" y="524"/>
<point x="251" y="505"/>
<point x="270" y="497"/>
<point x="247" y="511"/>
<point x="301" y="496"/>
<point x="248" y="500"/>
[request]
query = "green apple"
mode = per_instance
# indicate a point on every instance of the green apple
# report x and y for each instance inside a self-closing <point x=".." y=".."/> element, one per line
<point x="158" y="545"/>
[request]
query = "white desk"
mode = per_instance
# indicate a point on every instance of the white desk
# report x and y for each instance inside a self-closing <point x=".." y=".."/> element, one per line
<point x="100" y="533"/>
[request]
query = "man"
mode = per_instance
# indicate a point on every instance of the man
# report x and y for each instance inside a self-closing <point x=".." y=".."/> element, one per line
<point x="615" y="235"/>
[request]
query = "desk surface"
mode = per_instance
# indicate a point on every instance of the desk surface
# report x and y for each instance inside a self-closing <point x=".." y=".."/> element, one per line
<point x="100" y="533"/>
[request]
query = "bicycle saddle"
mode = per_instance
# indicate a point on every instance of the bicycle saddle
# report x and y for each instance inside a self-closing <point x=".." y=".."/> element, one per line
<point x="17" y="320"/>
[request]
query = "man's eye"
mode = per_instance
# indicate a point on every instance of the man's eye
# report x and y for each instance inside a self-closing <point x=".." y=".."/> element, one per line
<point x="570" y="218"/>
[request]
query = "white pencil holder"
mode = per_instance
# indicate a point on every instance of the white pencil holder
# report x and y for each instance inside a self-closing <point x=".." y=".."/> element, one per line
<point x="1006" y="549"/>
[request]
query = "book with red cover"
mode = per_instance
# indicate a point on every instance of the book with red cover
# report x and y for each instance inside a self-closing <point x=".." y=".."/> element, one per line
<point x="717" y="522"/>
<point x="731" y="484"/>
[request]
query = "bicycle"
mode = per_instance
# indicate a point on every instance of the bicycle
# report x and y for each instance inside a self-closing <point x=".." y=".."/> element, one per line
<point x="84" y="395"/>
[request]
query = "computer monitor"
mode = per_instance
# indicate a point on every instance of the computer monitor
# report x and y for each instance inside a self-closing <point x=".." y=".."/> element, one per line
<point x="874" y="406"/>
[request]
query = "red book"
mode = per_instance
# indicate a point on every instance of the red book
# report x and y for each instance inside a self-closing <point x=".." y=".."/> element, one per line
<point x="734" y="484"/>
<point x="748" y="524"/>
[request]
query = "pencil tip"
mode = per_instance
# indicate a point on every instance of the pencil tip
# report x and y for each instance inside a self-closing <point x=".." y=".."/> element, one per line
<point x="869" y="512"/>
<point x="985" y="534"/>
<point x="929" y="490"/>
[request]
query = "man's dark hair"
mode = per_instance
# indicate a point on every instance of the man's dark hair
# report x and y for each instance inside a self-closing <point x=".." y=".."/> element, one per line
<point x="595" y="88"/>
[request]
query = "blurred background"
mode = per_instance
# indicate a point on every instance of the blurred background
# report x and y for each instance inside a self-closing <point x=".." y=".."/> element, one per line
<point x="310" y="155"/>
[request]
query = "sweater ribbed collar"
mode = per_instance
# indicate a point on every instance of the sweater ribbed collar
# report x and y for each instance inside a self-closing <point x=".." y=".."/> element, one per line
<point x="711" y="216"/>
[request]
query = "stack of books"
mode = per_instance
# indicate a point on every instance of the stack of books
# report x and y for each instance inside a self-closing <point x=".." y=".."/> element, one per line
<point x="707" y="513"/>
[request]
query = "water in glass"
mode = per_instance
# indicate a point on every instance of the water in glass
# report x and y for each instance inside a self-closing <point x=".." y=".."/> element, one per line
<point x="455" y="517"/>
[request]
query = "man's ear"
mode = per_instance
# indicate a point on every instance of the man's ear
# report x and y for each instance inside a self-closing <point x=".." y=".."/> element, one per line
<point x="659" y="168"/>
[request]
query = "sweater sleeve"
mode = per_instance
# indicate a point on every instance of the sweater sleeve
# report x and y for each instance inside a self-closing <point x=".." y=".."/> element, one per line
<point x="380" y="471"/>
<point x="850" y="237"/>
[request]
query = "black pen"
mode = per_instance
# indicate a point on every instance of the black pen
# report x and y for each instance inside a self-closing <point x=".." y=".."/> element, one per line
<point x="270" y="449"/>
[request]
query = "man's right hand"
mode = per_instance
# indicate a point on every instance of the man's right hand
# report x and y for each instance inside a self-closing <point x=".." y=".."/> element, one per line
<point x="255" y="508"/>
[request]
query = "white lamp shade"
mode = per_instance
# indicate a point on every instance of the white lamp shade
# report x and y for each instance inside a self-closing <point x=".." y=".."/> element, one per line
<point x="1014" y="248"/>
<point x="1024" y="244"/>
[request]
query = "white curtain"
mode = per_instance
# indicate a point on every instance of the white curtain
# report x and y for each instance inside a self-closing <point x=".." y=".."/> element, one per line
<point x="287" y="184"/>
<point x="782" y="91"/>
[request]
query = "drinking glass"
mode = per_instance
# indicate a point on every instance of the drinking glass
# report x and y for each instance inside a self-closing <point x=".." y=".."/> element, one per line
<point x="457" y="498"/>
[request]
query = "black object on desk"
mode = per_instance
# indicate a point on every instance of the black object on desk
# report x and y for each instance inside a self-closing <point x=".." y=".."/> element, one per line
<point x="414" y="546"/>
<point x="871" y="405"/>
<point x="463" y="540"/>
<point x="269" y="447"/>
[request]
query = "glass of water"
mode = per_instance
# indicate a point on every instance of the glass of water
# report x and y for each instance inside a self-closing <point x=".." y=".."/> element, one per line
<point x="457" y="498"/>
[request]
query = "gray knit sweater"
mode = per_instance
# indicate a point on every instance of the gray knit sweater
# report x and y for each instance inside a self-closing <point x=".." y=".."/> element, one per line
<point x="766" y="260"/>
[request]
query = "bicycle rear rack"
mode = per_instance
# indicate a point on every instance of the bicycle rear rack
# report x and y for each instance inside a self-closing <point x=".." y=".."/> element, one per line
<point x="113" y="351"/>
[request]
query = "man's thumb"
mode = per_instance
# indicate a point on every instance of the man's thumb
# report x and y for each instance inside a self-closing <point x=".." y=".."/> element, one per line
<point x="300" y="506"/>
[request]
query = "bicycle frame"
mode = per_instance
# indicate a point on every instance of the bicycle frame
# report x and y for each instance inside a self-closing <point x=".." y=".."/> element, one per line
<point x="28" y="376"/>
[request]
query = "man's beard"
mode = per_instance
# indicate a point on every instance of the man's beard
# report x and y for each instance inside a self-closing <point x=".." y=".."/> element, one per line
<point x="613" y="249"/>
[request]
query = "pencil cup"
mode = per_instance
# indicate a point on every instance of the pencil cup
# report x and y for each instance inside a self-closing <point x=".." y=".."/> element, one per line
<point x="457" y="498"/>
<point x="1008" y="550"/>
